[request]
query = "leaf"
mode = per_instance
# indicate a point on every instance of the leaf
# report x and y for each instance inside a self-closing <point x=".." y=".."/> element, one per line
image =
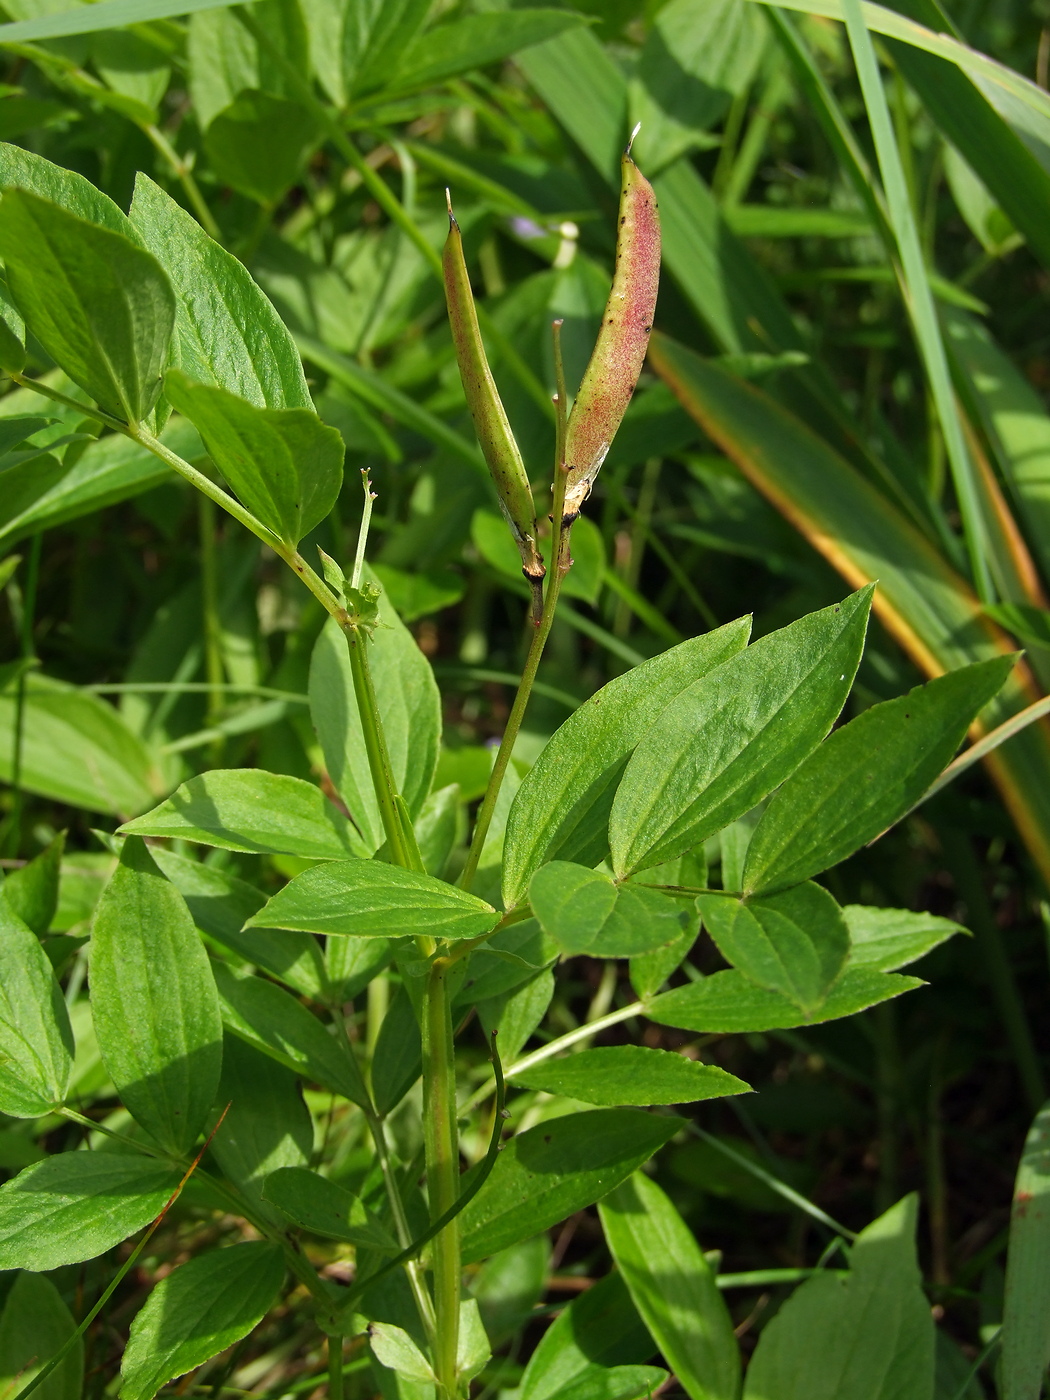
<point x="260" y="144"/>
<point x="727" y="1001"/>
<point x="76" y="1205"/>
<point x="733" y="736"/>
<point x="219" y="903"/>
<point x="510" y="1285"/>
<point x="585" y="912"/>
<point x="562" y="808"/>
<point x="869" y="1336"/>
<point x="397" y="1060"/>
<point x="409" y="707"/>
<point x="283" y="464"/>
<point x="36" y="1041"/>
<point x="324" y="1208"/>
<point x="795" y="943"/>
<point x="393" y="1347"/>
<point x="240" y="809"/>
<point x="419" y="594"/>
<point x="886" y="939"/>
<point x="630" y="1074"/>
<point x="449" y="49"/>
<point x="227" y="330"/>
<point x="77" y="749"/>
<point x="101" y="306"/>
<point x="558" y="1168"/>
<point x="368" y="898"/>
<point x="473" y="1351"/>
<point x="866" y="776"/>
<point x="273" y="1021"/>
<point x="154" y="1003"/>
<point x="673" y="1288"/>
<point x="31" y="893"/>
<point x="1026" y="1328"/>
<point x="28" y="171"/>
<point x="268" y="1126"/>
<point x="198" y="1310"/>
<point x="34" y="1324"/>
<point x="108" y="14"/>
<point x="516" y="1015"/>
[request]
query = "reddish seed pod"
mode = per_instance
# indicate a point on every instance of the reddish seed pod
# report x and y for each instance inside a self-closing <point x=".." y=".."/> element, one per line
<point x="619" y="351"/>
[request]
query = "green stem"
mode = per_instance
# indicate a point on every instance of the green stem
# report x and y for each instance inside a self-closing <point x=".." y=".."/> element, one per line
<point x="376" y="748"/>
<point x="335" y="1367"/>
<point x="441" y="1140"/>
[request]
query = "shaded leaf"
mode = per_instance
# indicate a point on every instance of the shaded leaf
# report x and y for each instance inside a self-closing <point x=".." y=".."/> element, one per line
<point x="584" y="911"/>
<point x="886" y="939"/>
<point x="260" y="143"/>
<point x="36" y="1040"/>
<point x="1026" y="1329"/>
<point x="34" y="1324"/>
<point x="31" y="892"/>
<point x="325" y="1208"/>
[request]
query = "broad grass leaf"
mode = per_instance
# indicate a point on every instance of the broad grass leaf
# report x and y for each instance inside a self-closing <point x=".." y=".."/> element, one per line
<point x="240" y="809"/>
<point x="795" y="943"/>
<point x="260" y="144"/>
<point x="284" y="465"/>
<point x="219" y="904"/>
<point x="110" y="14"/>
<point x="227" y="330"/>
<point x="887" y="939"/>
<point x="600" y="1329"/>
<point x="76" y="1205"/>
<point x="736" y="734"/>
<point x="198" y="1310"/>
<point x="368" y="898"/>
<point x="36" y="1040"/>
<point x="31" y="892"/>
<point x="100" y="305"/>
<point x="561" y="811"/>
<point x="585" y="912"/>
<point x="673" y="1288"/>
<point x="154" y="1003"/>
<point x="865" y="776"/>
<point x="34" y="1324"/>
<point x="727" y="1001"/>
<point x="325" y="1208"/>
<point x="409" y="706"/>
<point x="557" y="1168"/>
<point x="1026" y="1327"/>
<point x="868" y="1336"/>
<point x="630" y="1074"/>
<point x="268" y="1125"/>
<point x="275" y="1022"/>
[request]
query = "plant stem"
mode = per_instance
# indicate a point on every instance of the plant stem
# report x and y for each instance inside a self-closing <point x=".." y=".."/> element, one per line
<point x="441" y="1141"/>
<point x="335" y="1367"/>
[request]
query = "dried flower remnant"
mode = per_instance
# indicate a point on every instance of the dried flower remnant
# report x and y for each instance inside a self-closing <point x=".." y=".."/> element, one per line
<point x="619" y="352"/>
<point x="486" y="408"/>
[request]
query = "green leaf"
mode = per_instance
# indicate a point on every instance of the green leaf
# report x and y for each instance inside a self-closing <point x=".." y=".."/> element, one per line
<point x="474" y="1351"/>
<point x="154" y="1003"/>
<point x="240" y="809"/>
<point x="598" y="1331"/>
<point x="101" y="306"/>
<point x="397" y="1060"/>
<point x="260" y="144"/>
<point x="268" y="1126"/>
<point x="31" y="892"/>
<point x="727" y="1001"/>
<point x="630" y="1074"/>
<point x="558" y="1168"/>
<point x="866" y="776"/>
<point x="274" y="1022"/>
<point x="673" y="1288"/>
<point x="735" y="735"/>
<point x="324" y="1208"/>
<point x="584" y="911"/>
<point x="394" y="1348"/>
<point x="34" y="1324"/>
<point x="561" y="810"/>
<point x="219" y="903"/>
<point x="283" y="464"/>
<point x="108" y="14"/>
<point x="795" y="943"/>
<point x="1026" y="1327"/>
<point x="227" y="330"/>
<point x="36" y="1041"/>
<point x="198" y="1310"/>
<point x="368" y="898"/>
<point x="418" y="594"/>
<point x="869" y="1336"/>
<point x="510" y="1285"/>
<point x="375" y="41"/>
<point x="886" y="939"/>
<point x="460" y="45"/>
<point x="28" y="171"/>
<point x="76" y="1205"/>
<point x="409" y="706"/>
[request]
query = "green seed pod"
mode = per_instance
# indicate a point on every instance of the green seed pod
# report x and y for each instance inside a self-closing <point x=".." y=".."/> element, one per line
<point x="490" y="418"/>
<point x="619" y="352"/>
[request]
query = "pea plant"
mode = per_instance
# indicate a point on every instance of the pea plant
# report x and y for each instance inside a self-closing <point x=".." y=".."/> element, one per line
<point x="212" y="1003"/>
